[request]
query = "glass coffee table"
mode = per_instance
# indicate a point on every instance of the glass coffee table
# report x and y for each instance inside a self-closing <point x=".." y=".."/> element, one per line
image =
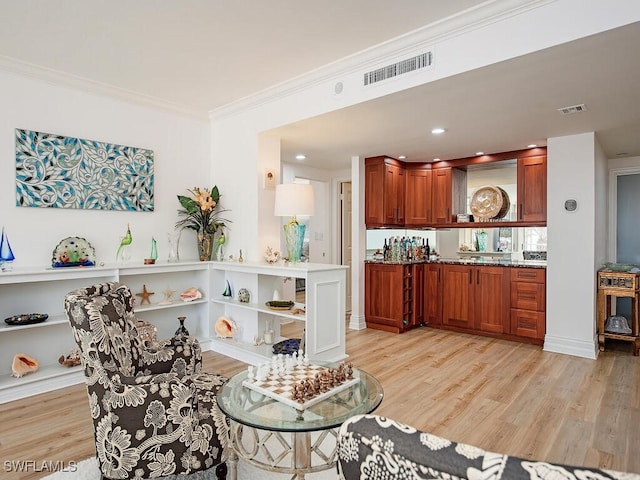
<point x="273" y="436"/>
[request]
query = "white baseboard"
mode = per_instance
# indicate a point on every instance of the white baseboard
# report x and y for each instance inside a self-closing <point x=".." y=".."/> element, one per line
<point x="357" y="322"/>
<point x="571" y="346"/>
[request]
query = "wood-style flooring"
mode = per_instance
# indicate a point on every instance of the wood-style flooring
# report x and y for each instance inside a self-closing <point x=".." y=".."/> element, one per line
<point x="501" y="396"/>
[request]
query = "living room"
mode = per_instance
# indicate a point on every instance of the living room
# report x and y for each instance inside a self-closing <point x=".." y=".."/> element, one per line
<point x="231" y="147"/>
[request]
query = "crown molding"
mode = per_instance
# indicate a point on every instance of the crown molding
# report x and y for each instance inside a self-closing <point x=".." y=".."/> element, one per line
<point x="75" y="82"/>
<point x="487" y="13"/>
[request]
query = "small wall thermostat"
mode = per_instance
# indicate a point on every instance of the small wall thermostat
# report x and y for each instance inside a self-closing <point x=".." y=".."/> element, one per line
<point x="570" y="205"/>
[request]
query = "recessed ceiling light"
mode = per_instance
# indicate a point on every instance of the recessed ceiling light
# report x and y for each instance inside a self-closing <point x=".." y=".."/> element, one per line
<point x="479" y="153"/>
<point x="533" y="145"/>
<point x="438" y="130"/>
<point x="300" y="156"/>
<point x="436" y="159"/>
<point x="402" y="157"/>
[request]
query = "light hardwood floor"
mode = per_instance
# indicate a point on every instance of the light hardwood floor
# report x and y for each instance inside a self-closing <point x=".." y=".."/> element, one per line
<point x="498" y="395"/>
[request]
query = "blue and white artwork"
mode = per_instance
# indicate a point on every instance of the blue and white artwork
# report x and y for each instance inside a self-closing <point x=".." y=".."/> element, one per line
<point x="65" y="172"/>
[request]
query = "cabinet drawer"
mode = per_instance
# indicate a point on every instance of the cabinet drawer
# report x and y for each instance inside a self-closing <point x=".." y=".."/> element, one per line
<point x="526" y="323"/>
<point x="528" y="296"/>
<point x="534" y="275"/>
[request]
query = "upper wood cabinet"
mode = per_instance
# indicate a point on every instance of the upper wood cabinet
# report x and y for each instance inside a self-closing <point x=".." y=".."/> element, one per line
<point x="418" y="196"/>
<point x="532" y="189"/>
<point x="384" y="192"/>
<point x="433" y="194"/>
<point x="449" y="194"/>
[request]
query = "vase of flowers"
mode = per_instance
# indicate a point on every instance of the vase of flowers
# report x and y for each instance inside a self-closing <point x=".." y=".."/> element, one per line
<point x="201" y="212"/>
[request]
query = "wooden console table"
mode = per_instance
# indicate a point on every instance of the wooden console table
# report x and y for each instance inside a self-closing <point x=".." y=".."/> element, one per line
<point x="618" y="284"/>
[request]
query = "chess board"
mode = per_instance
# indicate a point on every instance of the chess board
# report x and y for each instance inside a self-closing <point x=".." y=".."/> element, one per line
<point x="280" y="387"/>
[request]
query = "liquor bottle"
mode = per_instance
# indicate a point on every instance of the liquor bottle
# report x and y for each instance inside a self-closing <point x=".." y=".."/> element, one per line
<point x="427" y="249"/>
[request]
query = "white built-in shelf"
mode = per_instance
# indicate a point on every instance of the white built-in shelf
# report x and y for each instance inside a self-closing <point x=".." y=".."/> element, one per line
<point x="55" y="320"/>
<point x="247" y="352"/>
<point x="262" y="308"/>
<point x="161" y="306"/>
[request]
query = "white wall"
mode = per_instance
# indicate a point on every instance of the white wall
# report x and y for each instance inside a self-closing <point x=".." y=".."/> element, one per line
<point x="181" y="152"/>
<point x="571" y="252"/>
<point x="531" y="28"/>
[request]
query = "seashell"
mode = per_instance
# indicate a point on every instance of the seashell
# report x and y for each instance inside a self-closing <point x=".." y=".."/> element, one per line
<point x="23" y="364"/>
<point x="225" y="328"/>
<point x="190" y="294"/>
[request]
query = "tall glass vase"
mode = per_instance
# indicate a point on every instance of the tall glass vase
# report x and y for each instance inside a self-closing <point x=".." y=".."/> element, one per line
<point x="174" y="246"/>
<point x="205" y="245"/>
<point x="293" y="239"/>
<point x="481" y="241"/>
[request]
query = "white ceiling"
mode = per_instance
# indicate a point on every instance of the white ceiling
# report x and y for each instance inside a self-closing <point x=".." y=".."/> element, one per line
<point x="202" y="54"/>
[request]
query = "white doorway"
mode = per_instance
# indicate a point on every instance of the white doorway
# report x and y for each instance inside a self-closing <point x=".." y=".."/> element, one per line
<point x="345" y="236"/>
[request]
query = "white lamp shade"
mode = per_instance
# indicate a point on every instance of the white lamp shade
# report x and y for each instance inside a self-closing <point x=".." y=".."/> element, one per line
<point x="294" y="199"/>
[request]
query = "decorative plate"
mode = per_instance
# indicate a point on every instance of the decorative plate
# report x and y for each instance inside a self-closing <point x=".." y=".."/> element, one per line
<point x="26" y="319"/>
<point x="486" y="202"/>
<point x="279" y="305"/>
<point x="286" y="347"/>
<point x="489" y="202"/>
<point x="73" y="252"/>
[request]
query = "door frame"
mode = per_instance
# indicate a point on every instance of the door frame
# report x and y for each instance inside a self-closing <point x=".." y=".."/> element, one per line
<point x="614" y="173"/>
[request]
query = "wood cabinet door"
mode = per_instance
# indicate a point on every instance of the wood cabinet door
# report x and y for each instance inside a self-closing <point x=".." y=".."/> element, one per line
<point x="441" y="195"/>
<point x="383" y="295"/>
<point x="532" y="189"/>
<point x="458" y="301"/>
<point x="374" y="194"/>
<point x="394" y="185"/>
<point x="418" y="197"/>
<point x="433" y="294"/>
<point x="492" y="295"/>
<point x="417" y="294"/>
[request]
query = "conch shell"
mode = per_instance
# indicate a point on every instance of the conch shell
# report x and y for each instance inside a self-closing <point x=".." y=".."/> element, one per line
<point x="225" y="328"/>
<point x="23" y="364"/>
<point x="190" y="294"/>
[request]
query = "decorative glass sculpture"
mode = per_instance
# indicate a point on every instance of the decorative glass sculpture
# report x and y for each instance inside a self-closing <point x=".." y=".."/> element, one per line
<point x="122" y="255"/>
<point x="6" y="254"/>
<point x="227" y="291"/>
<point x="182" y="330"/>
<point x="154" y="249"/>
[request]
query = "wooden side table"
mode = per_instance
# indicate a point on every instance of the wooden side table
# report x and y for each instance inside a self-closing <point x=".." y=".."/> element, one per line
<point x="618" y="284"/>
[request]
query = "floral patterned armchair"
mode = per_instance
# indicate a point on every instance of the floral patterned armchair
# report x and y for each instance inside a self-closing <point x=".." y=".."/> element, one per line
<point x="373" y="447"/>
<point x="154" y="412"/>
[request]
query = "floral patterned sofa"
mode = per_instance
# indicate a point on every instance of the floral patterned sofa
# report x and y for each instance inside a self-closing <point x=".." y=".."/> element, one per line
<point x="154" y="412"/>
<point x="372" y="447"/>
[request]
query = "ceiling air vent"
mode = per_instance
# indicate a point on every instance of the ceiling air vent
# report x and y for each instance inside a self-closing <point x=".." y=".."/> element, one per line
<point x="405" y="66"/>
<point x="573" y="109"/>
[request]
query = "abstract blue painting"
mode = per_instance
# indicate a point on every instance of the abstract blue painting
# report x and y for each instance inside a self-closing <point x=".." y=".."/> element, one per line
<point x="65" y="172"/>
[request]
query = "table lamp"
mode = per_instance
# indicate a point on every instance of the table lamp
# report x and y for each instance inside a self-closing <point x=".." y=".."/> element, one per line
<point x="294" y="199"/>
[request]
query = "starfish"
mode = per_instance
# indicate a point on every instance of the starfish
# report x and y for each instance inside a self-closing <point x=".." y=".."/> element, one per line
<point x="145" y="295"/>
<point x="168" y="293"/>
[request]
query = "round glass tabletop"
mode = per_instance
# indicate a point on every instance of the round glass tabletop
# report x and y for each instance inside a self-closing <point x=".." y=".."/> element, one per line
<point x="251" y="408"/>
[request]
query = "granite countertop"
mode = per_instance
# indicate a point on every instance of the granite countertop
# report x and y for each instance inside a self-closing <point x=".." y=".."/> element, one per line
<point x="472" y="261"/>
